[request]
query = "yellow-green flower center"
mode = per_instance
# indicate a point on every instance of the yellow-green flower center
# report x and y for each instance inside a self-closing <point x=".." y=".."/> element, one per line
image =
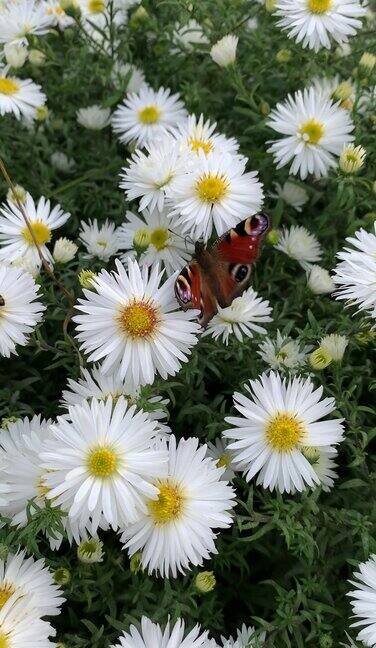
<point x="319" y="6"/>
<point x="311" y="131"/>
<point x="102" y="462"/>
<point x="96" y="6"/>
<point x="8" y="86"/>
<point x="149" y="115"/>
<point x="211" y="188"/>
<point x="42" y="233"/>
<point x="159" y="238"/>
<point x="6" y="591"/>
<point x="170" y="503"/>
<point x="138" y="320"/>
<point x="224" y="460"/>
<point x="284" y="432"/>
<point x="4" y="640"/>
<point x="197" y="145"/>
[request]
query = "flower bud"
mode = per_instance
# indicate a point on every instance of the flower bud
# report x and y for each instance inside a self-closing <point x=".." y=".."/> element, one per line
<point x="64" y="250"/>
<point x="7" y="420"/>
<point x="311" y="454"/>
<point x="367" y="61"/>
<point x="320" y="281"/>
<point x="62" y="576"/>
<point x="141" y="240"/>
<point x="85" y="278"/>
<point x="283" y="56"/>
<point x="15" y="54"/>
<point x="16" y="192"/>
<point x="223" y="52"/>
<point x="273" y="236"/>
<point x="319" y="359"/>
<point x="205" y="582"/>
<point x="90" y="551"/>
<point x="135" y="564"/>
<point x="36" y="57"/>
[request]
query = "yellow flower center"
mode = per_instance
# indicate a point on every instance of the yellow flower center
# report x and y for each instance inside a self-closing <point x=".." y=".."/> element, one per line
<point x="42" y="489"/>
<point x="284" y="431"/>
<point x="96" y="6"/>
<point x="211" y="188"/>
<point x="138" y="320"/>
<point x="6" y="591"/>
<point x="4" y="640"/>
<point x="8" y="86"/>
<point x="149" y="115"/>
<point x="224" y="460"/>
<point x="319" y="6"/>
<point x="102" y="243"/>
<point x="57" y="10"/>
<point x="281" y="355"/>
<point x="159" y="238"/>
<point x="200" y="145"/>
<point x="102" y="462"/>
<point x="42" y="233"/>
<point x="311" y="131"/>
<point x="169" y="505"/>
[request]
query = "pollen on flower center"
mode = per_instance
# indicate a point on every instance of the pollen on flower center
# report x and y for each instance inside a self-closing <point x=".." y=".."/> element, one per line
<point x="319" y="6"/>
<point x="8" y="86"/>
<point x="41" y="232"/>
<point x="224" y="460"/>
<point x="170" y="503"/>
<point x="311" y="131"/>
<point x="159" y="238"/>
<point x="138" y="319"/>
<point x="200" y="144"/>
<point x="149" y="114"/>
<point x="6" y="591"/>
<point x="102" y="462"/>
<point x="211" y="188"/>
<point x="41" y="487"/>
<point x="4" y="640"/>
<point x="96" y="6"/>
<point x="284" y="431"/>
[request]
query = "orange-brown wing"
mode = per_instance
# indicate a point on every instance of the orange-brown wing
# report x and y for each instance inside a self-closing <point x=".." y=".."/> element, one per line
<point x="193" y="291"/>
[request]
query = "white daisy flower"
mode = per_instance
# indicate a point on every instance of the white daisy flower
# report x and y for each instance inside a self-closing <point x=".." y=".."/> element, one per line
<point x="243" y="317"/>
<point x="94" y="117"/>
<point x="156" y="239"/>
<point x="222" y="457"/>
<point x="144" y="117"/>
<point x="100" y="463"/>
<point x="335" y="346"/>
<point x="64" y="250"/>
<point x="101" y="241"/>
<point x="23" y="18"/>
<point x="223" y="52"/>
<point x="216" y="192"/>
<point x="20" y="626"/>
<point x="279" y="419"/>
<point x="149" y="173"/>
<point x="57" y="16"/>
<point x="152" y="635"/>
<point x="188" y="36"/>
<point x="121" y="71"/>
<point x="319" y="281"/>
<point x="19" y="96"/>
<point x="300" y="244"/>
<point x="21" y="576"/>
<point x="292" y="194"/>
<point x="323" y="463"/>
<point x="315" y="23"/>
<point x="283" y="352"/>
<point x="314" y="131"/>
<point x="62" y="162"/>
<point x="176" y="530"/>
<point x="244" y="639"/>
<point x="363" y="601"/>
<point x="19" y="310"/>
<point x="15" y="237"/>
<point x="133" y="323"/>
<point x="195" y="134"/>
<point x="355" y="274"/>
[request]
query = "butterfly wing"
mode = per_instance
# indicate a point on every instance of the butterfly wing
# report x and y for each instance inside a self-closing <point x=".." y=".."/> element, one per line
<point x="192" y="290"/>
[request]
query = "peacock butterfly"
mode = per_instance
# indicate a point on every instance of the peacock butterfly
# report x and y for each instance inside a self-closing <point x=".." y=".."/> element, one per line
<point x="218" y="274"/>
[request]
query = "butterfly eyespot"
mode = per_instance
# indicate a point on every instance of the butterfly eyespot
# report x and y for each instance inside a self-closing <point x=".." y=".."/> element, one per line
<point x="240" y="272"/>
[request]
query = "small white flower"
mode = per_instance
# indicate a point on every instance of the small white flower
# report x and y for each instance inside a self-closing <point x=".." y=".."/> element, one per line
<point x="19" y="310"/>
<point x="188" y="36"/>
<point x="314" y="22"/>
<point x="57" y="15"/>
<point x="223" y="52"/>
<point x="195" y="134"/>
<point x="151" y="635"/>
<point x="292" y="194"/>
<point x="363" y="601"/>
<point x="216" y="192"/>
<point x="62" y="162"/>
<point x="19" y="96"/>
<point x="64" y="250"/>
<point x="335" y="346"/>
<point x="352" y="158"/>
<point x="320" y="281"/>
<point x="222" y="457"/>
<point x="279" y="419"/>
<point x="244" y="316"/>
<point x="283" y="352"/>
<point x="121" y="71"/>
<point x="299" y="244"/>
<point x="21" y="19"/>
<point x="314" y="130"/>
<point x="343" y="50"/>
<point x="94" y="117"/>
<point x="146" y="116"/>
<point x="100" y="241"/>
<point x="335" y="89"/>
<point x="15" y="54"/>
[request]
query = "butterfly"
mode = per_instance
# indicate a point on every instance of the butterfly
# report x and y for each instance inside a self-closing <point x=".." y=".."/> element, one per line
<point x="218" y="274"/>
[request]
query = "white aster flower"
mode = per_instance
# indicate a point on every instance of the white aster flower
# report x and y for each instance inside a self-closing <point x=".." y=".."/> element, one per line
<point x="244" y="316"/>
<point x="94" y="117"/>
<point x="335" y="346"/>
<point x="156" y="238"/>
<point x="244" y="639"/>
<point x="222" y="457"/>
<point x="194" y="135"/>
<point x="15" y="54"/>
<point x="292" y="194"/>
<point x="151" y="172"/>
<point x="23" y="18"/>
<point x="101" y="241"/>
<point x="19" y="310"/>
<point x="151" y="635"/>
<point x="322" y="460"/>
<point x="315" y="22"/>
<point x="314" y="130"/>
<point x="64" y="250"/>
<point x="319" y="281"/>
<point x="176" y="530"/>
<point x="355" y="274"/>
<point x="100" y="463"/>
<point x="188" y="36"/>
<point x="19" y="96"/>
<point x="121" y="71"/>
<point x="57" y="15"/>
<point x="335" y="89"/>
<point x="283" y="352"/>
<point x="352" y="158"/>
<point x="299" y="244"/>
<point x="216" y="192"/>
<point x="62" y="162"/>
<point x="279" y="419"/>
<point x="144" y="117"/>
<point x="223" y="52"/>
<point x="133" y="323"/>
<point x="20" y="625"/>
<point x="363" y="601"/>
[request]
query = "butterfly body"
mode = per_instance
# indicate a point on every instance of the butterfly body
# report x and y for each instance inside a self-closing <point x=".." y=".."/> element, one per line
<point x="218" y="274"/>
